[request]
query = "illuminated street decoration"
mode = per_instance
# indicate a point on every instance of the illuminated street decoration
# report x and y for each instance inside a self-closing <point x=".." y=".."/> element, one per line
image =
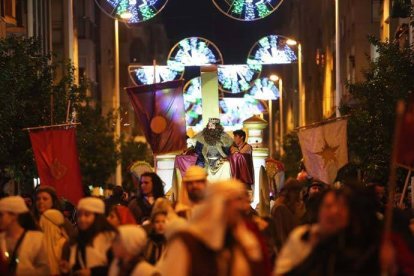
<point x="237" y="78"/>
<point x="271" y="49"/>
<point x="264" y="89"/>
<point x="192" y="104"/>
<point x="142" y="75"/>
<point x="233" y="111"/>
<point x="194" y="51"/>
<point x="247" y="10"/>
<point x="132" y="11"/>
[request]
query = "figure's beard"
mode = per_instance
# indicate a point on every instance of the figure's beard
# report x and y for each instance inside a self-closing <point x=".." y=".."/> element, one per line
<point x="196" y="196"/>
<point x="213" y="136"/>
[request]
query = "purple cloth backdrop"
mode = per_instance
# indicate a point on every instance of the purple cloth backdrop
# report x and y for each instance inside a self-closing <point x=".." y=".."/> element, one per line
<point x="165" y="100"/>
<point x="241" y="165"/>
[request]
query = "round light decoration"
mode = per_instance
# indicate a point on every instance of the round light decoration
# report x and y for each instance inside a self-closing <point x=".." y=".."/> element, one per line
<point x="194" y="51"/>
<point x="247" y="10"/>
<point x="132" y="11"/>
<point x="192" y="104"/>
<point x="264" y="89"/>
<point x="237" y="78"/>
<point x="233" y="111"/>
<point x="272" y="49"/>
<point x="143" y="75"/>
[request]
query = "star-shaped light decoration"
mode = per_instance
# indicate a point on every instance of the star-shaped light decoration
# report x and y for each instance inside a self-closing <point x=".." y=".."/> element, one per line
<point x="328" y="154"/>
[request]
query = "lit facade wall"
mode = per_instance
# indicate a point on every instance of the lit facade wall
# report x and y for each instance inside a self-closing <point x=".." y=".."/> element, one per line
<point x="312" y="23"/>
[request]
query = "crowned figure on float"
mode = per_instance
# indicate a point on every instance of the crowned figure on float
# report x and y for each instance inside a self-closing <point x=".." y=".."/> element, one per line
<point x="212" y="147"/>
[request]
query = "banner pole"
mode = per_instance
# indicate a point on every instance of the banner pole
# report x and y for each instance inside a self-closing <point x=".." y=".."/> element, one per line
<point x="393" y="172"/>
<point x="67" y="112"/>
<point x="405" y="187"/>
<point x="51" y="109"/>
<point x="52" y="126"/>
<point x="154" y="63"/>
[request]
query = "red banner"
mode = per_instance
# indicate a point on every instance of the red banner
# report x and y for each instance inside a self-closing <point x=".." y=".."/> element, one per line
<point x="160" y="111"/>
<point x="405" y="146"/>
<point x="57" y="161"/>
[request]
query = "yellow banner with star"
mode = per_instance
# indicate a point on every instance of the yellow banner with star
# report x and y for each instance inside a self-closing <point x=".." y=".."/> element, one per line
<point x="324" y="149"/>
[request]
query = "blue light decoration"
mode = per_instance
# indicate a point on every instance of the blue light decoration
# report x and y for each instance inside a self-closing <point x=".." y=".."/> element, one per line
<point x="237" y="78"/>
<point x="247" y="10"/>
<point x="192" y="104"/>
<point x="142" y="75"/>
<point x="272" y="49"/>
<point x="132" y="11"/>
<point x="194" y="51"/>
<point x="233" y="111"/>
<point x="264" y="89"/>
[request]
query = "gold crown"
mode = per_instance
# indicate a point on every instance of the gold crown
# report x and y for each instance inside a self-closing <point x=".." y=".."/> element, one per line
<point x="214" y="120"/>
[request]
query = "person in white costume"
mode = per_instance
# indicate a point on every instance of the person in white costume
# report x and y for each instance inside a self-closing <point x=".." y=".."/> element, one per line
<point x="52" y="223"/>
<point x="20" y="241"/>
<point x="90" y="254"/>
<point x="127" y="249"/>
<point x="216" y="240"/>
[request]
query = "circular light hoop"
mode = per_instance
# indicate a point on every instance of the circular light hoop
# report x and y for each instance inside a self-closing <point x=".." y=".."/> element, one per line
<point x="264" y="89"/>
<point x="192" y="103"/>
<point x="138" y="10"/>
<point x="143" y="75"/>
<point x="272" y="49"/>
<point x="237" y="78"/>
<point x="194" y="51"/>
<point x="247" y="10"/>
<point x="233" y="111"/>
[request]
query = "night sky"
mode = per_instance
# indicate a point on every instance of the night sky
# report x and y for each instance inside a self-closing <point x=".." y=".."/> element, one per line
<point x="184" y="18"/>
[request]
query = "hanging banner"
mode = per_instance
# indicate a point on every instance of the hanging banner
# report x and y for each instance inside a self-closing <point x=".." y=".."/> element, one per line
<point x="161" y="114"/>
<point x="324" y="149"/>
<point x="57" y="161"/>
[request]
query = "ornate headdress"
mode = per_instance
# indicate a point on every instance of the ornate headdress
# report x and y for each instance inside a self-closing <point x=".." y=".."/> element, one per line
<point x="214" y="120"/>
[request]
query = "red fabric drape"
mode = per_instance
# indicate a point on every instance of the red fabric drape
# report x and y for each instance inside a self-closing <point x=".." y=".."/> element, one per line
<point x="57" y="161"/>
<point x="405" y="148"/>
<point x="161" y="101"/>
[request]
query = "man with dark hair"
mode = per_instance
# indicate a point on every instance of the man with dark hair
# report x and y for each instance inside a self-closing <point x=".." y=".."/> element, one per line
<point x="117" y="198"/>
<point x="240" y="144"/>
<point x="150" y="188"/>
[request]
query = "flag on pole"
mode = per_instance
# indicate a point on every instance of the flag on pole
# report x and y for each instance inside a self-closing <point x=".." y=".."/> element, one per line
<point x="405" y="144"/>
<point x="161" y="114"/>
<point x="324" y="149"/>
<point x="57" y="161"/>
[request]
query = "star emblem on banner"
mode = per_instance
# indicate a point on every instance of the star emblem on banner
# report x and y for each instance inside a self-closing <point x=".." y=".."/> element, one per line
<point x="328" y="153"/>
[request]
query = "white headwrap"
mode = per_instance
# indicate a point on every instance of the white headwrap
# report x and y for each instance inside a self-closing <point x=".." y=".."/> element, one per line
<point x="13" y="204"/>
<point x="92" y="204"/>
<point x="133" y="238"/>
<point x="209" y="222"/>
<point x="54" y="237"/>
<point x="193" y="173"/>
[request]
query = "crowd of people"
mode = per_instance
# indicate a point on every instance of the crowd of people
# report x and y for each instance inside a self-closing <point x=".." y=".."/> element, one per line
<point x="312" y="229"/>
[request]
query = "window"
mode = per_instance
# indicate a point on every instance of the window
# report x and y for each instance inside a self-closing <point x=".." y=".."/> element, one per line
<point x="8" y="11"/>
